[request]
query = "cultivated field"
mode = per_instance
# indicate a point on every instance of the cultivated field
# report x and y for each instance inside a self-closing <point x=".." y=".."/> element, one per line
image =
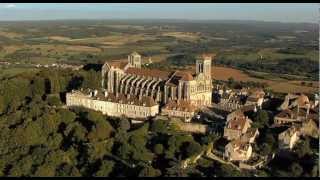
<point x="186" y="36"/>
<point x="277" y="85"/>
<point x="236" y="45"/>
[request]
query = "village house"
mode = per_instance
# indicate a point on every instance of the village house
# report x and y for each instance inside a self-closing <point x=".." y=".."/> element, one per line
<point x="179" y="108"/>
<point x="310" y="128"/>
<point x="238" y="130"/>
<point x="238" y="150"/>
<point x="295" y="109"/>
<point x="227" y="100"/>
<point x="250" y="136"/>
<point x="255" y="97"/>
<point x="237" y="124"/>
<point x="288" y="138"/>
<point x="230" y="100"/>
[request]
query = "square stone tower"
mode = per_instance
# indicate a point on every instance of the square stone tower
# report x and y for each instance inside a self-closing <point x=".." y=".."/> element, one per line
<point x="134" y="60"/>
<point x="203" y="65"/>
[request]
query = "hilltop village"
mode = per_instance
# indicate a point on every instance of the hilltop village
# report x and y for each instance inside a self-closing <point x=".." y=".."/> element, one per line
<point x="196" y="105"/>
<point x="158" y="97"/>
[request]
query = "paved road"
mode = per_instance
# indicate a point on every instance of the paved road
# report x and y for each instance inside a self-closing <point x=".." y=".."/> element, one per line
<point x="216" y="158"/>
<point x="212" y="156"/>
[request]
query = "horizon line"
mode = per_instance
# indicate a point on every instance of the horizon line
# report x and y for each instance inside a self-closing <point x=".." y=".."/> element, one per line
<point x="167" y="19"/>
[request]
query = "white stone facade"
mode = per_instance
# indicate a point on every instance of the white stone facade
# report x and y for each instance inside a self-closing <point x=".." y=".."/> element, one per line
<point x="238" y="151"/>
<point x="112" y="108"/>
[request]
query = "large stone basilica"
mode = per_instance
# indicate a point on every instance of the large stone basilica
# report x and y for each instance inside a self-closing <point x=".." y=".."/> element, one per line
<point x="163" y="86"/>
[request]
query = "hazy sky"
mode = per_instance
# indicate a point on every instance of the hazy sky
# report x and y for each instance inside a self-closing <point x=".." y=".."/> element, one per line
<point x="268" y="12"/>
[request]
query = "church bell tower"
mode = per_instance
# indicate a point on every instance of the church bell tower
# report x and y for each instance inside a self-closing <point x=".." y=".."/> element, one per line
<point x="134" y="59"/>
<point x="203" y="65"/>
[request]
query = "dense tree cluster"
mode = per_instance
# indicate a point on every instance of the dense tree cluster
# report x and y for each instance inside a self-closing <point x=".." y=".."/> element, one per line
<point x="40" y="137"/>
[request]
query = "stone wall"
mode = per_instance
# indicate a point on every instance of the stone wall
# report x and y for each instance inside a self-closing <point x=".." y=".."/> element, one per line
<point x="112" y="108"/>
<point x="192" y="127"/>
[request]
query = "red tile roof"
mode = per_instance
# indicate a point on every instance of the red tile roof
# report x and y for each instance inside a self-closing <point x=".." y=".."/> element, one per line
<point x="118" y="64"/>
<point x="149" y="73"/>
<point x="206" y="55"/>
<point x="180" y="105"/>
<point x="127" y="99"/>
<point x="185" y="76"/>
<point x="238" y="122"/>
<point x="303" y="100"/>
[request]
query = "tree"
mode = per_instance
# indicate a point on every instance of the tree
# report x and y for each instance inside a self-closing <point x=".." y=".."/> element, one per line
<point x="45" y="170"/>
<point x="158" y="149"/>
<point x="227" y="171"/>
<point x="281" y="173"/>
<point x="92" y="79"/>
<point x="175" y="170"/>
<point x="159" y="126"/>
<point x="54" y="100"/>
<point x="76" y="132"/>
<point x="209" y="138"/>
<point x="2" y="105"/>
<point x="139" y="150"/>
<point x="124" y="151"/>
<point x="262" y="173"/>
<point x="149" y="171"/>
<point x="49" y="122"/>
<point x="175" y="142"/>
<point x="67" y="116"/>
<point x="265" y="149"/>
<point x="261" y="119"/>
<point x="193" y="148"/>
<point x="315" y="171"/>
<point x="105" y="168"/>
<point x="54" y="84"/>
<point x="3" y="165"/>
<point x="15" y="103"/>
<point x="32" y="134"/>
<point x="124" y="124"/>
<point x="269" y="138"/>
<point x="22" y="167"/>
<point x="296" y="169"/>
<point x="54" y="141"/>
<point x="231" y="81"/>
<point x="303" y="148"/>
<point x="95" y="116"/>
<point x="97" y="150"/>
<point x="38" y="86"/>
<point x="100" y="131"/>
<point x="68" y="170"/>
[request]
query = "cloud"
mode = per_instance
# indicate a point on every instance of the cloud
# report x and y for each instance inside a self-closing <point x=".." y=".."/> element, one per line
<point x="8" y="6"/>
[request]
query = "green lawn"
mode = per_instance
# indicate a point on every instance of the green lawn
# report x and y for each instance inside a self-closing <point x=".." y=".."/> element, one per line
<point x="12" y="71"/>
<point x="267" y="54"/>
